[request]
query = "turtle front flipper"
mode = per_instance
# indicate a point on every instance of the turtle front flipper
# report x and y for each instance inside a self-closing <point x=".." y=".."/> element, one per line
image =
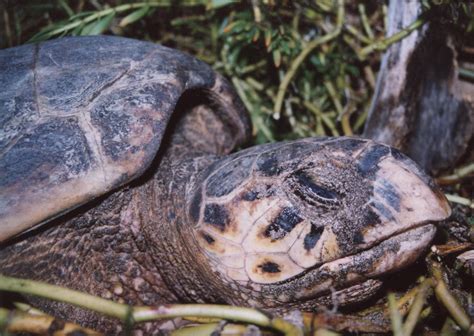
<point x="85" y="115"/>
<point x="283" y="224"/>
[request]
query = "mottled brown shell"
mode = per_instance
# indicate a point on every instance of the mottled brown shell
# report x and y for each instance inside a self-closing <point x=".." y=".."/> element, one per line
<point x="82" y="116"/>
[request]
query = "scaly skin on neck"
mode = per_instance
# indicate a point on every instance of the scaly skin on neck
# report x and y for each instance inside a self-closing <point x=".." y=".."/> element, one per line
<point x="170" y="236"/>
<point x="197" y="143"/>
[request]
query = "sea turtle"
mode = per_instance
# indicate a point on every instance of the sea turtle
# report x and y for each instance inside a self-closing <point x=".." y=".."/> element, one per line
<point x="116" y="179"/>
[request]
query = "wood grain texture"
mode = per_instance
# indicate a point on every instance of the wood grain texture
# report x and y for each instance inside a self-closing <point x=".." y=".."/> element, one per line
<point x="420" y="105"/>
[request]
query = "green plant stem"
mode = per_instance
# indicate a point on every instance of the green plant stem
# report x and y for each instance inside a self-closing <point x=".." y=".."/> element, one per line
<point x="57" y="293"/>
<point x="256" y="85"/>
<point x="417" y="307"/>
<point x="444" y="295"/>
<point x="239" y="314"/>
<point x="8" y="33"/>
<point x="210" y="328"/>
<point x="385" y="16"/>
<point x="365" y="21"/>
<point x="319" y="114"/>
<point x="385" y="43"/>
<point x="325" y="332"/>
<point x="449" y="328"/>
<point x="257" y="119"/>
<point x="458" y="175"/>
<point x="241" y="93"/>
<point x="302" y="56"/>
<point x="198" y="330"/>
<point x="369" y="76"/>
<point x="345" y="122"/>
<point x="351" y="29"/>
<point x="360" y="122"/>
<point x="248" y="315"/>
<point x="466" y="73"/>
<point x="395" y="316"/>
<point x="426" y="312"/>
<point x="26" y="308"/>
<point x="252" y="67"/>
<point x="129" y="314"/>
<point x="257" y="12"/>
<point x="335" y="99"/>
<point x="460" y="200"/>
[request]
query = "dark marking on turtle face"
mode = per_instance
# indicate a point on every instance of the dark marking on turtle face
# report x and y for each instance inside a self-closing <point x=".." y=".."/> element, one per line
<point x="270" y="267"/>
<point x="311" y="239"/>
<point x="358" y="238"/>
<point x="348" y="145"/>
<point x="283" y="224"/>
<point x="195" y="206"/>
<point x="208" y="238"/>
<point x="368" y="161"/>
<point x="388" y="192"/>
<point x="370" y="218"/>
<point x="171" y="215"/>
<point x="250" y="196"/>
<point x="309" y="191"/>
<point x="76" y="333"/>
<point x="216" y="215"/>
<point x="97" y="276"/>
<point x="268" y="165"/>
<point x="383" y="210"/>
<point x="257" y="193"/>
<point x="56" y="325"/>
<point x="230" y="176"/>
<point x="397" y="155"/>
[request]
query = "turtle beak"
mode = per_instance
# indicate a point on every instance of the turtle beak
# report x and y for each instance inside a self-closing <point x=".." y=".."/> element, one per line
<point x="403" y="198"/>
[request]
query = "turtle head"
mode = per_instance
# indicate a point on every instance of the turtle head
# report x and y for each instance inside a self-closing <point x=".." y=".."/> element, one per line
<point x="293" y="220"/>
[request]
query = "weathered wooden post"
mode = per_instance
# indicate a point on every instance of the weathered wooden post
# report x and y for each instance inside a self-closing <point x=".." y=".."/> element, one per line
<point x="421" y="105"/>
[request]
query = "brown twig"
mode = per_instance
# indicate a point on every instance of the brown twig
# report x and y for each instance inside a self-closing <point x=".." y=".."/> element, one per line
<point x="417" y="306"/>
<point x="460" y="200"/>
<point x="457" y="175"/>
<point x="444" y="295"/>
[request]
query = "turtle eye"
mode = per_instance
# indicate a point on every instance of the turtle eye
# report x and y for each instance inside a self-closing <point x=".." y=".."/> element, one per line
<point x="312" y="192"/>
